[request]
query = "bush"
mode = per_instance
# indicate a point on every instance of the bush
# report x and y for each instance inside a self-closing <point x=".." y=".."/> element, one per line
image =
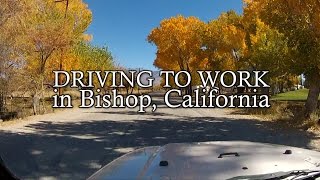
<point x="313" y="121"/>
<point x="289" y="113"/>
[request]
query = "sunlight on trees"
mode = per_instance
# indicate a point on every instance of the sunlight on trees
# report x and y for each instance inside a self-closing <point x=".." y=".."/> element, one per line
<point x="41" y="36"/>
<point x="280" y="36"/>
<point x="299" y="22"/>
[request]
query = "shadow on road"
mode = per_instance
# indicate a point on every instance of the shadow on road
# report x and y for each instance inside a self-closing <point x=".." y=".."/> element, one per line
<point x="76" y="150"/>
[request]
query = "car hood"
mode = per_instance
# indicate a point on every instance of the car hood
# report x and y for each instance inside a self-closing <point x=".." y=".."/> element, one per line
<point x="201" y="161"/>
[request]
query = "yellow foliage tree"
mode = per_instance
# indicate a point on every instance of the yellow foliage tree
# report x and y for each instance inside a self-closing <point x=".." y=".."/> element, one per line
<point x="48" y="32"/>
<point x="299" y="22"/>
<point x="178" y="42"/>
<point x="223" y="42"/>
<point x="190" y="44"/>
<point x="10" y="12"/>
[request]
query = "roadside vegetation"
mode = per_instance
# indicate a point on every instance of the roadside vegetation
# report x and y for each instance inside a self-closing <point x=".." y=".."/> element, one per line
<point x="298" y="95"/>
<point x="288" y="109"/>
<point x="279" y="36"/>
<point x="36" y="38"/>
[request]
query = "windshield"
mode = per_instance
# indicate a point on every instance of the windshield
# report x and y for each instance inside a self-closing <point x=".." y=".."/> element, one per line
<point x="207" y="89"/>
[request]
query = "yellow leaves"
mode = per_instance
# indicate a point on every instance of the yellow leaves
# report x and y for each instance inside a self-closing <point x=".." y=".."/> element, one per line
<point x="285" y="15"/>
<point x="87" y="37"/>
<point x="177" y="40"/>
<point x="254" y="39"/>
<point x="222" y="38"/>
<point x="177" y="30"/>
<point x="50" y="27"/>
<point x="190" y="44"/>
<point x="261" y="29"/>
<point x="297" y="21"/>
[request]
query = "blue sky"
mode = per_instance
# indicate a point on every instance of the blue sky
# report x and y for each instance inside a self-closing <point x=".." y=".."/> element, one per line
<point x="123" y="25"/>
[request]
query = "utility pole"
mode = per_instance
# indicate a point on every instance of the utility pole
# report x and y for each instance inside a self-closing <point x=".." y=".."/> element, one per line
<point x="138" y="85"/>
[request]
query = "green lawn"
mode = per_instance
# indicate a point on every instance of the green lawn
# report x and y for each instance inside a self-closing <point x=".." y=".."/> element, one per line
<point x="299" y="95"/>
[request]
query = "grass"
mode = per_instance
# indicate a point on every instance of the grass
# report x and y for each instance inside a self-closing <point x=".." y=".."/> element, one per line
<point x="299" y="95"/>
<point x="288" y="110"/>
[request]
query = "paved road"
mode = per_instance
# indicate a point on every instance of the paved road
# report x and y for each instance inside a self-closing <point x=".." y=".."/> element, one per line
<point x="74" y="144"/>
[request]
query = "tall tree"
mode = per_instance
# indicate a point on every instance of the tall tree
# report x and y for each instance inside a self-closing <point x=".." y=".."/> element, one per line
<point x="10" y="12"/>
<point x="49" y="30"/>
<point x="89" y="57"/>
<point x="299" y="21"/>
<point x="178" y="42"/>
<point x="267" y="48"/>
<point x="223" y="42"/>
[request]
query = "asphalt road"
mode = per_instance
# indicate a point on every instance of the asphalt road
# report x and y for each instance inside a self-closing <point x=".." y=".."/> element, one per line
<point x="74" y="144"/>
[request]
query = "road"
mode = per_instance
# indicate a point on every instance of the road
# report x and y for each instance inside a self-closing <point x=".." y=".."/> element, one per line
<point x="73" y="144"/>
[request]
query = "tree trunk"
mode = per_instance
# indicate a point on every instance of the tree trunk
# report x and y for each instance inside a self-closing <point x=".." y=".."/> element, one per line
<point x="35" y="104"/>
<point x="42" y="98"/>
<point x="281" y="87"/>
<point x="131" y="90"/>
<point x="312" y="100"/>
<point x="189" y="87"/>
<point x="60" y="78"/>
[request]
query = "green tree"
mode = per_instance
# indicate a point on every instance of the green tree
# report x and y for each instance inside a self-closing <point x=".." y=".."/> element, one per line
<point x="48" y="29"/>
<point x="267" y="49"/>
<point x="299" y="21"/>
<point x="85" y="57"/>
